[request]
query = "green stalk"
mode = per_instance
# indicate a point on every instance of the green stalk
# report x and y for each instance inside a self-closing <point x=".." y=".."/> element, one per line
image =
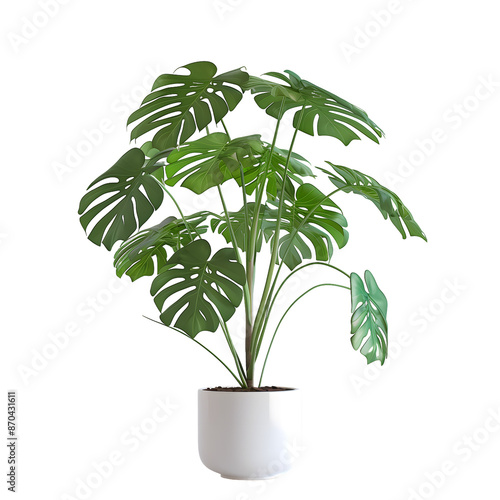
<point x="225" y="129"/>
<point x="245" y="206"/>
<point x="246" y="290"/>
<point x="249" y="273"/>
<point x="237" y="360"/>
<point x="250" y="256"/>
<point x="178" y="208"/>
<point x="283" y="317"/>
<point x="229" y="225"/>
<point x="260" y="191"/>
<point x="275" y="247"/>
<point x="247" y="286"/>
<point x="200" y="344"/>
<point x="273" y="298"/>
<point x="267" y="307"/>
<point x="244" y="193"/>
<point x="233" y="241"/>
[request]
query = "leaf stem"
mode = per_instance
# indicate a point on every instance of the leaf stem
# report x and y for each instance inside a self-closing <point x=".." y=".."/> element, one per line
<point x="297" y="269"/>
<point x="248" y="288"/>
<point x="200" y="344"/>
<point x="251" y="251"/>
<point x="275" y="245"/>
<point x="283" y="317"/>
<point x="225" y="129"/>
<point x="180" y="211"/>
<point x="293" y="233"/>
<point x="237" y="360"/>
<point x="272" y="298"/>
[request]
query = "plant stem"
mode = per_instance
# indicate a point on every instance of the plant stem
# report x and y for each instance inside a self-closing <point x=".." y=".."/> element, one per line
<point x="246" y="293"/>
<point x="267" y="307"/>
<point x="249" y="328"/>
<point x="245" y="207"/>
<point x="250" y="255"/>
<point x="296" y="270"/>
<point x="272" y="298"/>
<point x="275" y="246"/>
<point x="249" y="275"/>
<point x="229" y="225"/>
<point x="246" y="287"/>
<point x="200" y="344"/>
<point x="244" y="194"/>
<point x="225" y="129"/>
<point x="179" y="210"/>
<point x="283" y="317"/>
<point x="237" y="360"/>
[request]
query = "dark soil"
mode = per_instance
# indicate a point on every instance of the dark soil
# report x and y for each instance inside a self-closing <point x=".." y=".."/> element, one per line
<point x="269" y="388"/>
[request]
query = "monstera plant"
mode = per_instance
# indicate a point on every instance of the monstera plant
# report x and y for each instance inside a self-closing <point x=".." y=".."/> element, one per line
<point x="282" y="213"/>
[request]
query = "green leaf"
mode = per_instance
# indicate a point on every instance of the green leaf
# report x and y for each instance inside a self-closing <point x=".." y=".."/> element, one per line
<point x="311" y="216"/>
<point x="214" y="159"/>
<point x="201" y="288"/>
<point x="238" y="224"/>
<point x="297" y="168"/>
<point x="149" y="150"/>
<point x="136" y="256"/>
<point x="369" y="318"/>
<point x="389" y="203"/>
<point x="324" y="113"/>
<point x="180" y="104"/>
<point x="211" y="160"/>
<point x="125" y="201"/>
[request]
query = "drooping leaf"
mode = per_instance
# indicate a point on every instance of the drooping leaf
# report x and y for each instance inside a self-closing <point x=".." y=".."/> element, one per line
<point x="311" y="216"/>
<point x="136" y="256"/>
<point x="323" y="113"/>
<point x="202" y="288"/>
<point x="180" y="104"/>
<point x="369" y="318"/>
<point x="388" y="202"/>
<point x="125" y="201"/>
<point x="211" y="160"/>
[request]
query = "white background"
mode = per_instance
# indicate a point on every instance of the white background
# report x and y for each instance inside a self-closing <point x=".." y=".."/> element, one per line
<point x="378" y="433"/>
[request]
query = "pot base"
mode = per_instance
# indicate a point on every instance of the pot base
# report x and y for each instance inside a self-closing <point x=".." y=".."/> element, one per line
<point x="253" y="478"/>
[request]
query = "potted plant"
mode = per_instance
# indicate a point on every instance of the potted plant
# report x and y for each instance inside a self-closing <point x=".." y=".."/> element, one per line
<point x="243" y="430"/>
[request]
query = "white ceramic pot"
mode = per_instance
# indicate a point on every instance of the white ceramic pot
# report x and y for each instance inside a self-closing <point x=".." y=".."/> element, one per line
<point x="249" y="435"/>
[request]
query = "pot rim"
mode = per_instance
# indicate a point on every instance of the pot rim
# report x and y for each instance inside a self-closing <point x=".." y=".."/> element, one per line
<point x="285" y="389"/>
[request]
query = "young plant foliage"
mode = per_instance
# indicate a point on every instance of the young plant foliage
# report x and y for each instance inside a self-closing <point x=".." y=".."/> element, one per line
<point x="369" y="318"/>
